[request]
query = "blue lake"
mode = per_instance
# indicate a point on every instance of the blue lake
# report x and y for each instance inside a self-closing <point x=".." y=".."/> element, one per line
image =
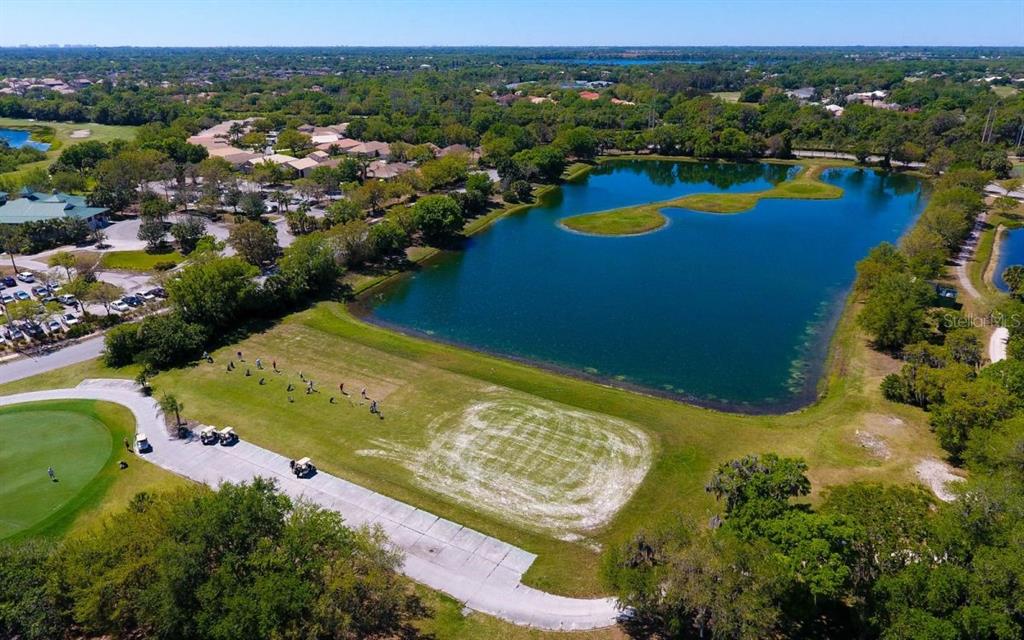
<point x="17" y="138"/>
<point x="731" y="311"/>
<point x="1011" y="252"/>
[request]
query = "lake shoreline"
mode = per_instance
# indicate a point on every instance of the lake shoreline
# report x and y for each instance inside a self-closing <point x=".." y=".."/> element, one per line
<point x="818" y="358"/>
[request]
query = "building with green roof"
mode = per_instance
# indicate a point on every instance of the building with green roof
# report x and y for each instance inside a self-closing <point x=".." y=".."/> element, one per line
<point x="34" y="206"/>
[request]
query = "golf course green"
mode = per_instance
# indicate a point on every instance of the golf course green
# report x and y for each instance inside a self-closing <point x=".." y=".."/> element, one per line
<point x="77" y="439"/>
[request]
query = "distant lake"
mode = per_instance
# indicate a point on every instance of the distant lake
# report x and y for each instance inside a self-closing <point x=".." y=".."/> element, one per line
<point x="1011" y="252"/>
<point x="16" y="138"/>
<point x="731" y="311"/>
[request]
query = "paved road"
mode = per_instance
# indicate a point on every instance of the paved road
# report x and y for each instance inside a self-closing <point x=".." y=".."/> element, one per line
<point x="26" y="366"/>
<point x="482" y="572"/>
<point x="997" y="344"/>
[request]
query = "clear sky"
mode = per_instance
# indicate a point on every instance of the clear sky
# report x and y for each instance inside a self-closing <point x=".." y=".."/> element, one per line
<point x="511" y="22"/>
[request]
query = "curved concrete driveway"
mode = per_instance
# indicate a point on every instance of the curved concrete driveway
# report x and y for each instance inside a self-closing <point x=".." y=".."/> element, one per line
<point x="482" y="572"/>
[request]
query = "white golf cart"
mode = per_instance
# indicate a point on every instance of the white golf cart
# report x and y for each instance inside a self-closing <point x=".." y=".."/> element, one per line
<point x="228" y="436"/>
<point x="142" y="443"/>
<point x="209" y="435"/>
<point x="303" y="468"/>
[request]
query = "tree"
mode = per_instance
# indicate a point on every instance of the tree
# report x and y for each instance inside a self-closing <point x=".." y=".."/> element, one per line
<point x="439" y="218"/>
<point x="13" y="241"/>
<point x="212" y="291"/>
<point x="169" y="403"/>
<point x="255" y="242"/>
<point x="293" y="140"/>
<point x="764" y="478"/>
<point x="187" y="232"/>
<point x="243" y="561"/>
<point x="152" y="233"/>
<point x="1013" y="276"/>
<point x="252" y="205"/>
<point x="63" y="260"/>
<point x="894" y="311"/>
<point x="342" y="211"/>
<point x="105" y="293"/>
<point x="579" y="142"/>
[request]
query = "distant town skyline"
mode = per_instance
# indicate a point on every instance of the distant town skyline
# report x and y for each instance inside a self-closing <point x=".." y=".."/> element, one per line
<point x="520" y="23"/>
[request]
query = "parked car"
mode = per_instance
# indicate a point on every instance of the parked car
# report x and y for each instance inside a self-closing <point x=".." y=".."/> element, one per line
<point x="147" y="296"/>
<point x="132" y="301"/>
<point x="27" y="276"/>
<point x="33" y="329"/>
<point x="21" y="295"/>
<point x="69" y="320"/>
<point x="14" y="333"/>
<point x="53" y="326"/>
<point x="8" y="281"/>
<point x="48" y="297"/>
<point x="67" y="299"/>
<point x="120" y="307"/>
<point x="39" y="291"/>
<point x="7" y="298"/>
<point x="158" y="292"/>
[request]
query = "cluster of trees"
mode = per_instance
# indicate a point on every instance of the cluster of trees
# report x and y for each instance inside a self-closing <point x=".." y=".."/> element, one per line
<point x="893" y="282"/>
<point x="871" y="561"/>
<point x="11" y="158"/>
<point x="213" y="296"/>
<point x="241" y="561"/>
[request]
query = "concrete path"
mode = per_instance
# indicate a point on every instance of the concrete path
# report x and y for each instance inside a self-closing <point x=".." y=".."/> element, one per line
<point x="997" y="344"/>
<point x="966" y="255"/>
<point x="482" y="572"/>
<point x="28" y="366"/>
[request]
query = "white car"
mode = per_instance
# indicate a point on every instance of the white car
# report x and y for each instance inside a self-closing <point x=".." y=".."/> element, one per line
<point x="27" y="276"/>
<point x="120" y="306"/>
<point x="69" y="320"/>
<point x="67" y="299"/>
<point x="148" y="296"/>
<point x="54" y="326"/>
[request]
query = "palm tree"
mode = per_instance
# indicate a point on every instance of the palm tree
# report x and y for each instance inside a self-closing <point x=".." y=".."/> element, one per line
<point x="169" y="403"/>
<point x="13" y="242"/>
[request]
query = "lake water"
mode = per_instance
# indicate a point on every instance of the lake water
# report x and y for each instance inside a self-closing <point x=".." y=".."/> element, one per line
<point x="17" y="138"/>
<point x="1011" y="252"/>
<point x="731" y="311"/>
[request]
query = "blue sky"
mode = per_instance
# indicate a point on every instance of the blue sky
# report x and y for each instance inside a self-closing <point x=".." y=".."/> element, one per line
<point x="511" y="22"/>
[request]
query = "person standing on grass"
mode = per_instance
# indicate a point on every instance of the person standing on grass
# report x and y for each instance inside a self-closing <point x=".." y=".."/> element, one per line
<point x="127" y="445"/>
<point x="240" y="357"/>
<point x="53" y="476"/>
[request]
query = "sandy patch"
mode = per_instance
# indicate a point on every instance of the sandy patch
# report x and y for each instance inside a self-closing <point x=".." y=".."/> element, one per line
<point x="80" y="133"/>
<point x="997" y="344"/>
<point x="874" y="444"/>
<point x="937" y="475"/>
<point x="536" y="463"/>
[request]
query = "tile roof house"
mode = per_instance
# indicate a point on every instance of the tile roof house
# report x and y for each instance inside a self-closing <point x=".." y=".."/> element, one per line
<point x="373" y="149"/>
<point x="385" y="170"/>
<point x="35" y="206"/>
<point x="589" y="95"/>
<point x="303" y="165"/>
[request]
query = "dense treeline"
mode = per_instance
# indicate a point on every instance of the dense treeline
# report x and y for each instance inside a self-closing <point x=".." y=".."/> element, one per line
<point x="244" y="561"/>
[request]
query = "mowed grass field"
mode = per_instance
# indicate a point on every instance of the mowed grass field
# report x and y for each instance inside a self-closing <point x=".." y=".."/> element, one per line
<point x="422" y="451"/>
<point x="82" y="441"/>
<point x="62" y="137"/>
<point x="138" y="260"/>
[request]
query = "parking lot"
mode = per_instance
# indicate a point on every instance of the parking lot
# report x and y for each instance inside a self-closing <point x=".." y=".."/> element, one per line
<point x="69" y="312"/>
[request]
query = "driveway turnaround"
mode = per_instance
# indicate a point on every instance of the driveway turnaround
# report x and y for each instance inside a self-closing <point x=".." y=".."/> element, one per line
<point x="482" y="572"/>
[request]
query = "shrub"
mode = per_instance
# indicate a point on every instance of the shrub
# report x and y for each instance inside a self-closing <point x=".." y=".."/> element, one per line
<point x="164" y="265"/>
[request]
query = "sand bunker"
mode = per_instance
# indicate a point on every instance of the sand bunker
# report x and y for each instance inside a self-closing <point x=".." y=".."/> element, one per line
<point x="538" y="464"/>
<point x="80" y="133"/>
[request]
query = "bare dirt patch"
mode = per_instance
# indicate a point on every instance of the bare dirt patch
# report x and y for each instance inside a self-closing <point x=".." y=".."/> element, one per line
<point x="544" y="466"/>
<point x="937" y="475"/>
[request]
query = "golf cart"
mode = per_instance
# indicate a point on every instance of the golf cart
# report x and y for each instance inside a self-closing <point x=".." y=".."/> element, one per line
<point x="209" y="435"/>
<point x="303" y="468"/>
<point x="228" y="436"/>
<point x="142" y="443"/>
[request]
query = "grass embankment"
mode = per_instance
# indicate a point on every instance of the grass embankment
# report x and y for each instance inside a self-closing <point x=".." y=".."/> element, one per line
<point x="422" y="385"/>
<point x="138" y="260"/>
<point x="645" y="218"/>
<point x="58" y="135"/>
<point x="83" y="441"/>
<point x="982" y="269"/>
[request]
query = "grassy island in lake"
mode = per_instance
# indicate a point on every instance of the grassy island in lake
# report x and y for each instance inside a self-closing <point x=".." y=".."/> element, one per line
<point x="644" y="218"/>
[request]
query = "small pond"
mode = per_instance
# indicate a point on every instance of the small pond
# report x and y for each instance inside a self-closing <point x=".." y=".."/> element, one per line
<point x="17" y="138"/>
